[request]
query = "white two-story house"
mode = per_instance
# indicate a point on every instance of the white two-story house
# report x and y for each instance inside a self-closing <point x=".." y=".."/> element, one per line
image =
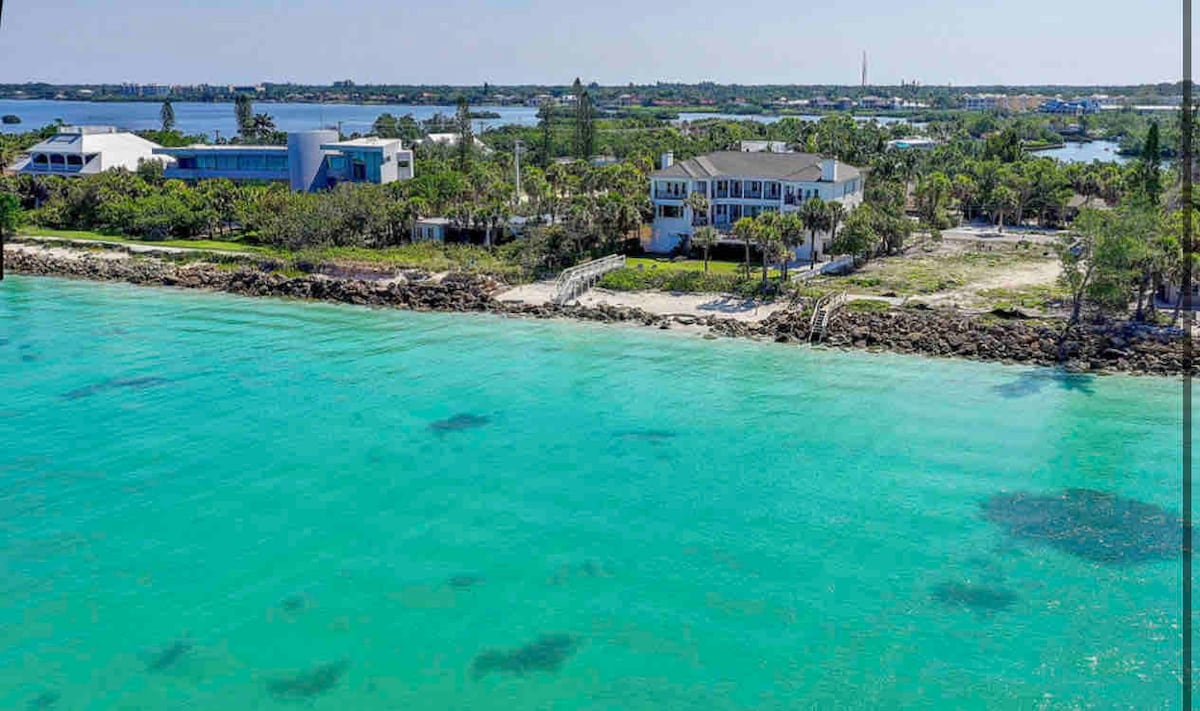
<point x="739" y="184"/>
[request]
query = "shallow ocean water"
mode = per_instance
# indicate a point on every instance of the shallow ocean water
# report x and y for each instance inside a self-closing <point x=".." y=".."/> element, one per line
<point x="211" y="502"/>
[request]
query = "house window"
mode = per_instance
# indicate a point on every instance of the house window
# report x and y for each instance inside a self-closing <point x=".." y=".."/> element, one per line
<point x="670" y="212"/>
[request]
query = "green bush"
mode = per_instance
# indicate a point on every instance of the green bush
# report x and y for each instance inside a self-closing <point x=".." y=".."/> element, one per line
<point x="867" y="305"/>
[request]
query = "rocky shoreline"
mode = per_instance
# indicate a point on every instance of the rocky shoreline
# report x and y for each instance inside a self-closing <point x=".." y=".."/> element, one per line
<point x="1097" y="348"/>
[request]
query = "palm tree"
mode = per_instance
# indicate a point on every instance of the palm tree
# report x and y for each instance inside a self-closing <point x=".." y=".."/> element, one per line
<point x="167" y="116"/>
<point x="966" y="192"/>
<point x="815" y="218"/>
<point x="1006" y="201"/>
<point x="8" y="154"/>
<point x="699" y="205"/>
<point x="244" y="112"/>
<point x="706" y="237"/>
<point x="262" y="125"/>
<point x="768" y="239"/>
<point x="791" y="231"/>
<point x="746" y="230"/>
<point x="836" y="213"/>
<point x="626" y="216"/>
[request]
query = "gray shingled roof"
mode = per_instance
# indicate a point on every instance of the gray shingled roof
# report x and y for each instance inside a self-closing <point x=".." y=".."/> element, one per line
<point x="799" y="167"/>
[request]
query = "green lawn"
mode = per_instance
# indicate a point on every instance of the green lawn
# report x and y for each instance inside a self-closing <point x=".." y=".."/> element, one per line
<point x="694" y="265"/>
<point x="178" y="243"/>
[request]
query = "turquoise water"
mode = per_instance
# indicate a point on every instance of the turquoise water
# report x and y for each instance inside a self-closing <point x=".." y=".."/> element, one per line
<point x="202" y="497"/>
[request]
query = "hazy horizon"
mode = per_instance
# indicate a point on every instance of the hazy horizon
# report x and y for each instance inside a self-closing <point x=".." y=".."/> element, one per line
<point x="538" y="42"/>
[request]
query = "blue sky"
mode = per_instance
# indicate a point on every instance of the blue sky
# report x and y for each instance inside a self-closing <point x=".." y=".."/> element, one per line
<point x="609" y="41"/>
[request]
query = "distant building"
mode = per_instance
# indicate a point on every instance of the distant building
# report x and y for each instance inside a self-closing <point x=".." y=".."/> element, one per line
<point x="451" y="139"/>
<point x="914" y="142"/>
<point x="311" y="160"/>
<point x="1077" y="107"/>
<point x="1002" y="102"/>
<point x="145" y="90"/>
<point x="86" y="150"/>
<point x="764" y="147"/>
<point x="738" y="185"/>
<point x="595" y="161"/>
<point x="431" y="229"/>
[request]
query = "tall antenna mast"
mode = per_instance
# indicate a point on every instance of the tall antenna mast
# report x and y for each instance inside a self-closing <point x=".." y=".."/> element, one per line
<point x="864" y="69"/>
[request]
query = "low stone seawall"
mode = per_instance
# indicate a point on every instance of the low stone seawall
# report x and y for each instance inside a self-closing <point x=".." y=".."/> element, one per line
<point x="454" y="293"/>
<point x="1121" y="347"/>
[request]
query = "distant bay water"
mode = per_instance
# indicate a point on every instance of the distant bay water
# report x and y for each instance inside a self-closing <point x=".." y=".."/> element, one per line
<point x="1073" y="152"/>
<point x="198" y="117"/>
<point x="212" y="502"/>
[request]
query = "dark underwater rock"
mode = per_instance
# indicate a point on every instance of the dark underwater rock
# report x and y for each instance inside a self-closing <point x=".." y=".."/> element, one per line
<point x="308" y="684"/>
<point x="459" y="422"/>
<point x="140" y="383"/>
<point x="1089" y="524"/>
<point x="169" y="655"/>
<point x="545" y="654"/>
<point x="982" y="599"/>
<point x="464" y="581"/>
<point x="44" y="701"/>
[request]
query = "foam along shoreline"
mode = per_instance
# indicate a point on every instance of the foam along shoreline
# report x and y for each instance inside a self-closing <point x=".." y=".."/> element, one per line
<point x="1127" y="348"/>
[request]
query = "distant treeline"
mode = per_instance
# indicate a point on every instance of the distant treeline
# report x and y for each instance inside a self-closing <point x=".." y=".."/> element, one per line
<point x="702" y="94"/>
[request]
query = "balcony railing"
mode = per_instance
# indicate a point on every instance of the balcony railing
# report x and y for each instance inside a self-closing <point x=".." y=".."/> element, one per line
<point x="669" y="195"/>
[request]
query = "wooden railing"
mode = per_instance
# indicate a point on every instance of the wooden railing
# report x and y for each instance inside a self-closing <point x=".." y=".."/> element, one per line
<point x="574" y="282"/>
<point x="823" y="310"/>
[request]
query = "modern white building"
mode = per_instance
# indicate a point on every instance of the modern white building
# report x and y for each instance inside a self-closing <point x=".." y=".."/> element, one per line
<point x="311" y="160"/>
<point x="86" y="150"/>
<point x="451" y="139"/>
<point x="739" y="184"/>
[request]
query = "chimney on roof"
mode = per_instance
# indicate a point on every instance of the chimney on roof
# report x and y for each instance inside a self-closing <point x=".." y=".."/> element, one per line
<point x="829" y="170"/>
<point x="667" y="160"/>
